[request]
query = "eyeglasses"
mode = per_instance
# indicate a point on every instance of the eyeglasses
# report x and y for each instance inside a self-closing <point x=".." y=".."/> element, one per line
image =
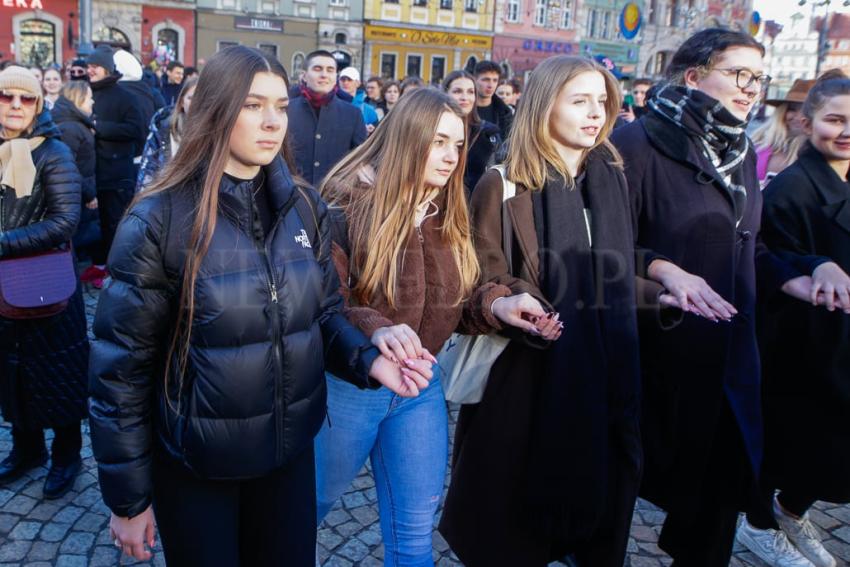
<point x="78" y="73"/>
<point x="744" y="78"/>
<point x="26" y="99"/>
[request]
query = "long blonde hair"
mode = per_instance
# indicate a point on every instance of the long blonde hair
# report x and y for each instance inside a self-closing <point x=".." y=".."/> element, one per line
<point x="531" y="149"/>
<point x="381" y="219"/>
<point x="774" y="134"/>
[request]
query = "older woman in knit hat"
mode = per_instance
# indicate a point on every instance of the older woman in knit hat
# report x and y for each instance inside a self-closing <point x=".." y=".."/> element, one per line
<point x="43" y="362"/>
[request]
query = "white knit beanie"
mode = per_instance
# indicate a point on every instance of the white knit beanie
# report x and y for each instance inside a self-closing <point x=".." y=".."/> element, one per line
<point x="14" y="77"/>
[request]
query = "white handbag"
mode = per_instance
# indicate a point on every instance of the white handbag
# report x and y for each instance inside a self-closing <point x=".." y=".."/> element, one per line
<point x="466" y="359"/>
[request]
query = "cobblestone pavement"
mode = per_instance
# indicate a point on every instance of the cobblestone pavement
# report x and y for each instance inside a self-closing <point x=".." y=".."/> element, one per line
<point x="73" y="531"/>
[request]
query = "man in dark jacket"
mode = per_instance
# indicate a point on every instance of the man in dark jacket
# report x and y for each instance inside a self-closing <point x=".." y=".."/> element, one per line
<point x="149" y="100"/>
<point x="172" y="82"/>
<point x="119" y="129"/>
<point x="490" y="107"/>
<point x="324" y="128"/>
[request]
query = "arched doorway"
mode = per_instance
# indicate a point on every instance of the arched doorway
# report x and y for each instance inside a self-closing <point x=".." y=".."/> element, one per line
<point x="342" y="58"/>
<point x="112" y="37"/>
<point x="37" y="43"/>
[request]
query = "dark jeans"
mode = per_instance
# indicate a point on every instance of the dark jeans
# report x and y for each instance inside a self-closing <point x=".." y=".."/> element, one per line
<point x="67" y="442"/>
<point x="111" y="206"/>
<point x="266" y="521"/>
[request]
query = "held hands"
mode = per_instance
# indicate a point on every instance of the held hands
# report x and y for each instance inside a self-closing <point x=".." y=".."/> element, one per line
<point x="526" y="313"/>
<point x="690" y="293"/>
<point x="833" y="283"/>
<point x="404" y="365"/>
<point x="131" y="534"/>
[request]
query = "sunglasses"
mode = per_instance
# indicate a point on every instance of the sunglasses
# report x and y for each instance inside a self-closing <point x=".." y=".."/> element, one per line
<point x="26" y="99"/>
<point x="78" y="73"/>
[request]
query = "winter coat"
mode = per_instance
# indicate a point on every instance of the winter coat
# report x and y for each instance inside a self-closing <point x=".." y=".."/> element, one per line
<point x="319" y="143"/>
<point x="370" y="116"/>
<point x="691" y="374"/>
<point x="119" y="130"/>
<point x="486" y="139"/>
<point x="267" y="323"/>
<point x="504" y="116"/>
<point x="148" y="101"/>
<point x="806" y="349"/>
<point x="486" y="515"/>
<point x="77" y="134"/>
<point x="169" y="91"/>
<point x="43" y="361"/>
<point x="157" y="147"/>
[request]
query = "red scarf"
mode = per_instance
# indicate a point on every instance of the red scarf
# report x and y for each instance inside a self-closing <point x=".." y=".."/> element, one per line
<point x="315" y="99"/>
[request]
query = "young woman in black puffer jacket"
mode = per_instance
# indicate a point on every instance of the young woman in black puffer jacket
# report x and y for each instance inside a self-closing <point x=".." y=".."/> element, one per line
<point x="42" y="361"/>
<point x="207" y="372"/>
<point x="72" y="114"/>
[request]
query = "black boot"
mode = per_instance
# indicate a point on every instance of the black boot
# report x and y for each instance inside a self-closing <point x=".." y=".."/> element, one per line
<point x="19" y="462"/>
<point x="60" y="478"/>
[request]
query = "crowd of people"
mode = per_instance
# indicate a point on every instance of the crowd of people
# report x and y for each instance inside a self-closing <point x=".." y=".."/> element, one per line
<point x="285" y="263"/>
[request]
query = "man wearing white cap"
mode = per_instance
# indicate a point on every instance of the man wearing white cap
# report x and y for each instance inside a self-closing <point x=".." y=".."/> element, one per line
<point x="349" y="87"/>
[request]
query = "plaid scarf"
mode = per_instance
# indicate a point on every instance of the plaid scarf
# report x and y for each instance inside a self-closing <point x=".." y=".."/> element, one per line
<point x="315" y="99"/>
<point x="718" y="134"/>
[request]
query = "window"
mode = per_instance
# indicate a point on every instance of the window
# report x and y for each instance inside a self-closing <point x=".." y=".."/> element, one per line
<point x="297" y="63"/>
<point x="391" y="1"/>
<point x="606" y="25"/>
<point x="653" y="12"/>
<point x="445" y="4"/>
<point x="269" y="49"/>
<point x="592" y="20"/>
<point x="38" y="43"/>
<point x="414" y="66"/>
<point x="167" y="41"/>
<point x="420" y="3"/>
<point x="540" y="12"/>
<point x="438" y="69"/>
<point x="567" y="14"/>
<point x="668" y="15"/>
<point x="223" y="44"/>
<point x="388" y="65"/>
<point x="228" y="4"/>
<point x="340" y="38"/>
<point x="112" y="37"/>
<point x="512" y="14"/>
<point x="470" y="5"/>
<point x="268" y="7"/>
<point x="338" y="2"/>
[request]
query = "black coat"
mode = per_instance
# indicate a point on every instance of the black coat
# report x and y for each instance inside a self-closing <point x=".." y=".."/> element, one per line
<point x="320" y="143"/>
<point x="148" y="101"/>
<point x="486" y="139"/>
<point x="43" y="361"/>
<point x="77" y="134"/>
<point x="267" y="321"/>
<point x="504" y="116"/>
<point x="807" y="349"/>
<point x="119" y="130"/>
<point x="694" y="372"/>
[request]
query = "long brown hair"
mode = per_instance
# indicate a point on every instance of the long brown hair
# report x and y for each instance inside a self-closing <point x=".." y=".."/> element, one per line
<point x="461" y="74"/>
<point x="178" y="117"/>
<point x="381" y="218"/>
<point x="199" y="164"/>
<point x="531" y="150"/>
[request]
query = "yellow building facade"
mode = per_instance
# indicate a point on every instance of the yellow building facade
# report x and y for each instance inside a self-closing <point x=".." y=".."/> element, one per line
<point x="426" y="38"/>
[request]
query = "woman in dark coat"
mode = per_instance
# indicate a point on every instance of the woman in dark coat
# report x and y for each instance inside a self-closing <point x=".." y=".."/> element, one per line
<point x="697" y="207"/>
<point x="548" y="463"/>
<point x="42" y="361"/>
<point x="207" y="372"/>
<point x="806" y="349"/>
<point x="72" y="114"/>
<point x="485" y="138"/>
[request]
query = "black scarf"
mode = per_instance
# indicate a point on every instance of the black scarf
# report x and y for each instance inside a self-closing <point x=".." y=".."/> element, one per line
<point x="720" y="136"/>
<point x="589" y="377"/>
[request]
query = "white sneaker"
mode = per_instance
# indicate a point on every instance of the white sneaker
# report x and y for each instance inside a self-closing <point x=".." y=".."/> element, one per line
<point x="771" y="546"/>
<point x="803" y="535"/>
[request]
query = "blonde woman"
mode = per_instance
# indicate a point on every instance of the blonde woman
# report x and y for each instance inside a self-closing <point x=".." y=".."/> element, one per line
<point x="52" y="85"/>
<point x="548" y="463"/>
<point x="779" y="139"/>
<point x="403" y="250"/>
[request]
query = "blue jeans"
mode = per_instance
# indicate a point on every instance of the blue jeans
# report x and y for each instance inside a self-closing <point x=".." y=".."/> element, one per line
<point x="407" y="442"/>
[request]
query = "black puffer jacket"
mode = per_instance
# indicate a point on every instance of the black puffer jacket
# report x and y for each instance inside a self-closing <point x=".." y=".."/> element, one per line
<point x="43" y="361"/>
<point x="119" y="131"/>
<point x="267" y="321"/>
<point x="486" y="139"/>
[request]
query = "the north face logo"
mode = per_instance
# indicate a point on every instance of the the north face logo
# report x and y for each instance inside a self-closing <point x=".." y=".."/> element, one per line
<point x="303" y="239"/>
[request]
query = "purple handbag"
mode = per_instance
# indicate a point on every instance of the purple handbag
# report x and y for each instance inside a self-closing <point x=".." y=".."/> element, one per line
<point x="38" y="285"/>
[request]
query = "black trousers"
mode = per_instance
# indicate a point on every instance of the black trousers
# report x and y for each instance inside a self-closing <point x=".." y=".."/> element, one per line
<point x="760" y="511"/>
<point x="267" y="521"/>
<point x="111" y="206"/>
<point x="67" y="442"/>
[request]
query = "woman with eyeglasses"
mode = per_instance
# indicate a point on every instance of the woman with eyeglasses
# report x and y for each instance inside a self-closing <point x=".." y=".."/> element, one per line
<point x="779" y="139"/>
<point x="696" y="207"/>
<point x="43" y="362"/>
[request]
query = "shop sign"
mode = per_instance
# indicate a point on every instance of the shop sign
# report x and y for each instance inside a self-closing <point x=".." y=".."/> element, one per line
<point x="426" y="37"/>
<point x="540" y="46"/>
<point x="619" y="53"/>
<point x="26" y="4"/>
<point x="257" y="24"/>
